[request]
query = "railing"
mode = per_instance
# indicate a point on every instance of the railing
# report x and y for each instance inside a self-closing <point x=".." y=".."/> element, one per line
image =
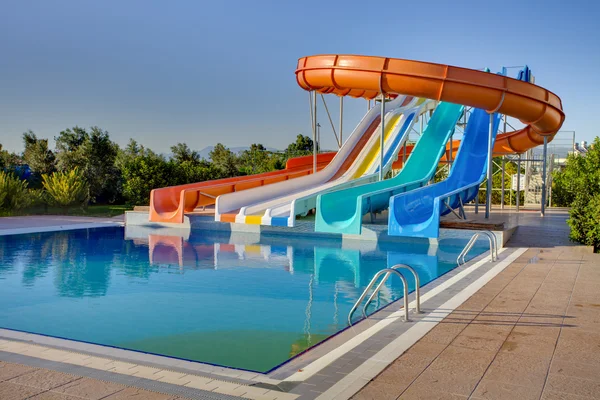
<point x="493" y="246"/>
<point x="388" y="272"/>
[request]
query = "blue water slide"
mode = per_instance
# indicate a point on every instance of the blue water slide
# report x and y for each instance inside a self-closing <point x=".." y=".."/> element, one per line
<point x="417" y="213"/>
<point x="341" y="211"/>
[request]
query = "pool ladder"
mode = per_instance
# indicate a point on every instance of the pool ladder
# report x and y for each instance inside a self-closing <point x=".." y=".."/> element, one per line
<point x="388" y="272"/>
<point x="493" y="246"/>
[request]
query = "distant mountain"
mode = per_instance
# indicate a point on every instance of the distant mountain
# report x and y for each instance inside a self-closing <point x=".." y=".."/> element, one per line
<point x="204" y="153"/>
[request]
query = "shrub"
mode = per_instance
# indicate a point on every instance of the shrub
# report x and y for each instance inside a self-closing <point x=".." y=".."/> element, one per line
<point x="14" y="193"/>
<point x="144" y="173"/>
<point x="36" y="198"/>
<point x="578" y="185"/>
<point x="584" y="220"/>
<point x="66" y="188"/>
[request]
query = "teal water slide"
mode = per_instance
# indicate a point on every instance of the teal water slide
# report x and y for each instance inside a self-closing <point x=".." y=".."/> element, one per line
<point x="342" y="211"/>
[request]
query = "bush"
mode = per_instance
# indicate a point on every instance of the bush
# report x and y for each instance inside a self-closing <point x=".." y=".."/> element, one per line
<point x="66" y="188"/>
<point x="14" y="194"/>
<point x="144" y="173"/>
<point x="584" y="221"/>
<point x="578" y="185"/>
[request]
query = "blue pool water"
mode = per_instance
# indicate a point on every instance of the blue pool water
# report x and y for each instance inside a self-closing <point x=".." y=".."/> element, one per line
<point x="224" y="299"/>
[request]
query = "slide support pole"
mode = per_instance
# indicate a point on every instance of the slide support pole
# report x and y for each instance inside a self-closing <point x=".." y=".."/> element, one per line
<point x="545" y="156"/>
<point x="488" y="192"/>
<point x="314" y="132"/>
<point x="341" y="120"/>
<point x="381" y="139"/>
<point x="518" y="199"/>
<point x="503" y="176"/>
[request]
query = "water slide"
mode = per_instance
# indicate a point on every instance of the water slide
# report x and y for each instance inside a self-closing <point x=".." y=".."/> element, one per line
<point x="366" y="170"/>
<point x="417" y="213"/>
<point x="359" y="154"/>
<point x="170" y="204"/>
<point x="366" y="76"/>
<point x="341" y="211"/>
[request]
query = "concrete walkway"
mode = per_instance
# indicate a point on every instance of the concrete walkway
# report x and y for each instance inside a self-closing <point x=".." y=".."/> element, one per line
<point x="20" y="382"/>
<point x="532" y="332"/>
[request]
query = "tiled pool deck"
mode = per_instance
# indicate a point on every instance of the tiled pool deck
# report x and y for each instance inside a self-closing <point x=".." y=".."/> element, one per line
<point x="532" y="331"/>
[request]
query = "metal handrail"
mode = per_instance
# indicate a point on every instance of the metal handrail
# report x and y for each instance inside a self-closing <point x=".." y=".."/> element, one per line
<point x="493" y="246"/>
<point x="388" y="272"/>
<point x="417" y="288"/>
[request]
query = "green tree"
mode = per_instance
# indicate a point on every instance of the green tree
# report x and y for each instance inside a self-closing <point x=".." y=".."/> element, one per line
<point x="37" y="154"/>
<point x="190" y="172"/>
<point x="182" y="153"/>
<point x="566" y="181"/>
<point x="224" y="160"/>
<point x="8" y="159"/>
<point x="578" y="185"/>
<point x="255" y="160"/>
<point x="143" y="173"/>
<point x="301" y="147"/>
<point x="509" y="194"/>
<point x="95" y="155"/>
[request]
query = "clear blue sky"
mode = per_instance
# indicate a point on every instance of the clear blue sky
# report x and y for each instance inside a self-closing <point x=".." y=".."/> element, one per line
<point x="207" y="71"/>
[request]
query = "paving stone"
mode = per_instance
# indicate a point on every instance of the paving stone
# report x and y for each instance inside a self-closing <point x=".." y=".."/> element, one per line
<point x="443" y="333"/>
<point x="53" y="396"/>
<point x="44" y="379"/>
<point x="131" y="393"/>
<point x="519" y="370"/>
<point x="548" y="395"/>
<point x="579" y="347"/>
<point x="457" y="370"/>
<point x="13" y="391"/>
<point x="422" y="392"/>
<point x="379" y="391"/>
<point x="89" y="388"/>
<point x="577" y="370"/>
<point x="10" y="370"/>
<point x="572" y="385"/>
<point x="493" y="390"/>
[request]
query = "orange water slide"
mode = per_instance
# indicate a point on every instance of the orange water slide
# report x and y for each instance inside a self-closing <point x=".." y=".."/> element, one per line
<point x="170" y="204"/>
<point x="367" y="76"/>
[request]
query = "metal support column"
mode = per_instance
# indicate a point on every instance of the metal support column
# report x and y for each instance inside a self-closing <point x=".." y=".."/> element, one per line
<point x="488" y="194"/>
<point x="341" y="119"/>
<point x="450" y="152"/>
<point x="318" y="138"/>
<point x="503" y="177"/>
<point x="545" y="161"/>
<point x="518" y="199"/>
<point x="314" y="131"/>
<point x="381" y="139"/>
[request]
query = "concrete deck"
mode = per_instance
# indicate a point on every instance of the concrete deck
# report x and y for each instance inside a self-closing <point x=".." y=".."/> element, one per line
<point x="49" y="223"/>
<point x="531" y="332"/>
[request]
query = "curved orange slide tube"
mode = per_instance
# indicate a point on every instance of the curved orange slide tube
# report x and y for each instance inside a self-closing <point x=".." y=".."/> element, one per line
<point x="366" y="76"/>
<point x="169" y="204"/>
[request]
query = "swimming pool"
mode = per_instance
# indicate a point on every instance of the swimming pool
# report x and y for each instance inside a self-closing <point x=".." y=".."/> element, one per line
<point x="223" y="299"/>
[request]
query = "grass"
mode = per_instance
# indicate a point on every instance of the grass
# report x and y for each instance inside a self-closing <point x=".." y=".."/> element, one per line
<point x="106" y="211"/>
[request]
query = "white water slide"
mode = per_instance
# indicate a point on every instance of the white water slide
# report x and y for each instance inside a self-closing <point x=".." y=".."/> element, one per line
<point x="357" y="162"/>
